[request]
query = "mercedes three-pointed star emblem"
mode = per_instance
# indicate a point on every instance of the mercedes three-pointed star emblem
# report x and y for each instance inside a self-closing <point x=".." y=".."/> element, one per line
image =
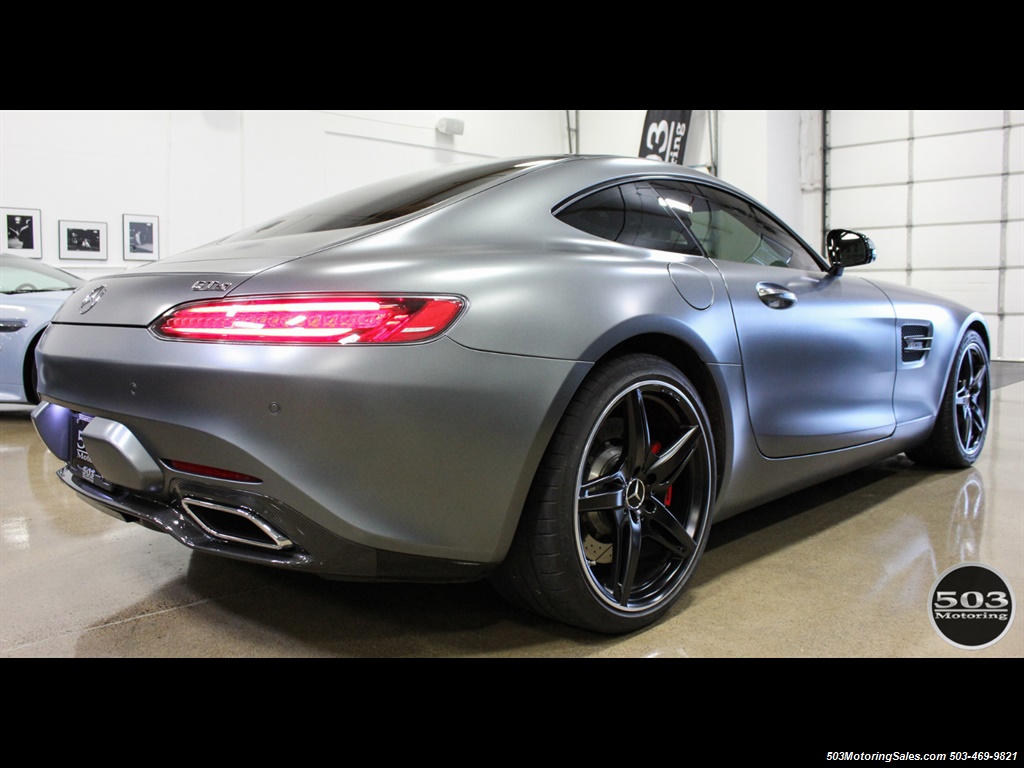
<point x="91" y="298"/>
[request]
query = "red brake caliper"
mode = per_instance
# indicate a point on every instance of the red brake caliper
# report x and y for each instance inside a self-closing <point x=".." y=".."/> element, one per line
<point x="668" y="494"/>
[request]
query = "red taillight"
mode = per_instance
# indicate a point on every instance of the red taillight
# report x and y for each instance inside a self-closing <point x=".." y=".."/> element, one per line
<point x="313" y="319"/>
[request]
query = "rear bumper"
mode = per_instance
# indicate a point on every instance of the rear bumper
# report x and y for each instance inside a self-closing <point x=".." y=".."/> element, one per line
<point x="317" y="551"/>
<point x="414" y="452"/>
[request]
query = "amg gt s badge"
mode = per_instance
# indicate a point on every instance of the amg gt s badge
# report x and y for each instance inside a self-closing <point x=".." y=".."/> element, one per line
<point x="91" y="298"/>
<point x="210" y="285"/>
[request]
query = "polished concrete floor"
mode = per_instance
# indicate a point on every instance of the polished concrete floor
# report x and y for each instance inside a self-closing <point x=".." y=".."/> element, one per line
<point x="844" y="569"/>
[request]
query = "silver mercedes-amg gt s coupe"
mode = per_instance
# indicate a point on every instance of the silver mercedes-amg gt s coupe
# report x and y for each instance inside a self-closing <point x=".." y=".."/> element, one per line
<point x="551" y="372"/>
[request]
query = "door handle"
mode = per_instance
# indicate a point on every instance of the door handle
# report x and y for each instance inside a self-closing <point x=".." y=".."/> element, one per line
<point x="775" y="296"/>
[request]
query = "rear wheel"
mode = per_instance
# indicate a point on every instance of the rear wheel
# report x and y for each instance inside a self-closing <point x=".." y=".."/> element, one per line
<point x="621" y="506"/>
<point x="962" y="423"/>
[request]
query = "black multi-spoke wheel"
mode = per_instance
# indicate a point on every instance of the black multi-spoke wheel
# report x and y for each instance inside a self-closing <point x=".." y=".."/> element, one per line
<point x="962" y="422"/>
<point x="971" y="399"/>
<point x="622" y="504"/>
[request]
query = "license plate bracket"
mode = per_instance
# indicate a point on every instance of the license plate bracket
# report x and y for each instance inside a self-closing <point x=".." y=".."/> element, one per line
<point x="80" y="462"/>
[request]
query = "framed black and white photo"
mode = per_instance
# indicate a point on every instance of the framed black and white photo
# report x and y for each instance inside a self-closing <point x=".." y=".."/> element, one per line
<point x="141" y="237"/>
<point x="23" y="228"/>
<point x="83" y="240"/>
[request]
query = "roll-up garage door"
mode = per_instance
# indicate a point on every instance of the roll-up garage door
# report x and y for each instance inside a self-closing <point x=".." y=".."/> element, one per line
<point x="941" y="193"/>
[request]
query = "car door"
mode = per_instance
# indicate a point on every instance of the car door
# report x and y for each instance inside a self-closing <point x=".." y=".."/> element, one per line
<point x="818" y="351"/>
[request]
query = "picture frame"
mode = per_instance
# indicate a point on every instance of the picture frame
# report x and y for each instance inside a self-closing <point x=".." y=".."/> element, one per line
<point x="24" y="229"/>
<point x="83" y="240"/>
<point x="141" y="237"/>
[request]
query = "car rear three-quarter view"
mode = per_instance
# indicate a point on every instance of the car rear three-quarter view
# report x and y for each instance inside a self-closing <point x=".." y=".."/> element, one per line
<point x="552" y="372"/>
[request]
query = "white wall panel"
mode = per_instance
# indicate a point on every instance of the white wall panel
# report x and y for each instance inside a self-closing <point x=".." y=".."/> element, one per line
<point x="1015" y="197"/>
<point x="928" y="122"/>
<point x="745" y="132"/>
<point x="293" y="157"/>
<point x="612" y="131"/>
<point x="203" y="177"/>
<point x="782" y="160"/>
<point x="860" y="126"/>
<point x="996" y="332"/>
<point x="1015" y="244"/>
<point x="865" y="208"/>
<point x="957" y="245"/>
<point x="965" y="154"/>
<point x="887" y="163"/>
<point x="1012" y="341"/>
<point x="957" y="201"/>
<point x="1016" y="149"/>
<point x="1014" y="303"/>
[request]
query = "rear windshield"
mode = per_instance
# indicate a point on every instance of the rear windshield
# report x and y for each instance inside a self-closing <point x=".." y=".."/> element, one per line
<point x="386" y="200"/>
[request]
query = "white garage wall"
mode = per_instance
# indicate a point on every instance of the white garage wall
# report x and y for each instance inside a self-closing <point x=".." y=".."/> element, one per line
<point x="206" y="173"/>
<point x="942" y="195"/>
<point x="84" y="165"/>
<point x="294" y="157"/>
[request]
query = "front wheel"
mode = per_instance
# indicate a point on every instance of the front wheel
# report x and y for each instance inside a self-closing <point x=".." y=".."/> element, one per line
<point x="621" y="506"/>
<point x="962" y="422"/>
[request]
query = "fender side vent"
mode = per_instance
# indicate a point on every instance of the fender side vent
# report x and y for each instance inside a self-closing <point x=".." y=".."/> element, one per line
<point x="916" y="342"/>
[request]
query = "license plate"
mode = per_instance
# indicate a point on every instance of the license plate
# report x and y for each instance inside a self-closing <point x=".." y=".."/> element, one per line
<point x="81" y="463"/>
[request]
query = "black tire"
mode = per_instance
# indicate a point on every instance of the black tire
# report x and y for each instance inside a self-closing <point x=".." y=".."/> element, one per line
<point x="31" y="375"/>
<point x="959" y="433"/>
<point x="621" y="506"/>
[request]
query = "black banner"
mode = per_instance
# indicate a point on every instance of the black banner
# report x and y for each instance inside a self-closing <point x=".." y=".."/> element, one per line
<point x="664" y="136"/>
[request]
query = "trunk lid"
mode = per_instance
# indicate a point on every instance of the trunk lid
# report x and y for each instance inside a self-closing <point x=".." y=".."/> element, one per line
<point x="139" y="296"/>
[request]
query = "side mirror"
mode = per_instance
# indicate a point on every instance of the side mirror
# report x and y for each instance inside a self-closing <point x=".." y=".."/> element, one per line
<point x="848" y="249"/>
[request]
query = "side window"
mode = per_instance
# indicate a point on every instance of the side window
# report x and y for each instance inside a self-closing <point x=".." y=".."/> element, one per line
<point x="655" y="224"/>
<point x="602" y="213"/>
<point x="780" y="239"/>
<point x="737" y="231"/>
<point x="631" y="214"/>
<point x="729" y="228"/>
<point x="689" y="205"/>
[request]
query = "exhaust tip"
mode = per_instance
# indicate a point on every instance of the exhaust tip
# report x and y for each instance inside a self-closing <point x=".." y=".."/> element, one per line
<point x="235" y="524"/>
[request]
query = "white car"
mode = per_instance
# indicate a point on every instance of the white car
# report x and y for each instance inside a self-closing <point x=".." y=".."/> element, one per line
<point x="30" y="292"/>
